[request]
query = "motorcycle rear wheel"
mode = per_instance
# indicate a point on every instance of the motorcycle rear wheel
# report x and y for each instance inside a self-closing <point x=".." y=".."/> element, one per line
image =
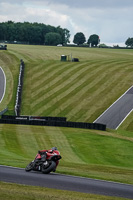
<point x="29" y="167"/>
<point x="50" y="168"/>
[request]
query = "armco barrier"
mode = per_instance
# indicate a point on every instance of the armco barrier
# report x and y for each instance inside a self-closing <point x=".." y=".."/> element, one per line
<point x="19" y="89"/>
<point x="43" y="122"/>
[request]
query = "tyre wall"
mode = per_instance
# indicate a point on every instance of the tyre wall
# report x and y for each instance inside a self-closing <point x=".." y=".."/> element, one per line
<point x="49" y="121"/>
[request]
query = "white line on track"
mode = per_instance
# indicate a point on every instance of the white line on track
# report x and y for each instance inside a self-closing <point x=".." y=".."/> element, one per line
<point x="124" y="119"/>
<point x="4" y="84"/>
<point x="112" y="105"/>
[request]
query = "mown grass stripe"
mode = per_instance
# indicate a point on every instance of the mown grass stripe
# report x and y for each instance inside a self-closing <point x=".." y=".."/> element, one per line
<point x="61" y="83"/>
<point x="61" y="73"/>
<point x="81" y="97"/>
<point x="61" y="141"/>
<point x="101" y="100"/>
<point x="84" y="96"/>
<point x="69" y="84"/>
<point x="8" y="137"/>
<point x="36" y="138"/>
<point x="58" y="79"/>
<point x="68" y="93"/>
<point x="50" y="80"/>
<point x="44" y="74"/>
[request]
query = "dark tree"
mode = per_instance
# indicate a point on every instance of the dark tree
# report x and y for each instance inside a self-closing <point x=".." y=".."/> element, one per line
<point x="93" y="40"/>
<point x="129" y="42"/>
<point x="79" y="38"/>
<point x="53" y="39"/>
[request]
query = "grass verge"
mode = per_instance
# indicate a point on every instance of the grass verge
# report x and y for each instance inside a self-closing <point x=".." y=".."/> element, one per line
<point x="87" y="153"/>
<point x="20" y="192"/>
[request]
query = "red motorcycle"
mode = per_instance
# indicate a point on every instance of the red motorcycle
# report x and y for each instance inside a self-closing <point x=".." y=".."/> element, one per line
<point x="45" y="161"/>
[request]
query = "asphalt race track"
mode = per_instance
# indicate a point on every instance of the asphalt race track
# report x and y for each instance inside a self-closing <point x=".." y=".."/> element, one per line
<point x="63" y="182"/>
<point x="118" y="111"/>
<point x="2" y="84"/>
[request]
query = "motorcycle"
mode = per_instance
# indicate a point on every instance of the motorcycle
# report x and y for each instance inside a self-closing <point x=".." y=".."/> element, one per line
<point x="45" y="162"/>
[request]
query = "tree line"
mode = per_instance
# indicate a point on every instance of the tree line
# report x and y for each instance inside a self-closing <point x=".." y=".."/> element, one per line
<point x="33" y="33"/>
<point x="94" y="40"/>
<point x="39" y="33"/>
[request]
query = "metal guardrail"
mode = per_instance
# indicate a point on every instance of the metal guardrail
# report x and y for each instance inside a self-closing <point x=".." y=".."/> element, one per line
<point x="19" y="89"/>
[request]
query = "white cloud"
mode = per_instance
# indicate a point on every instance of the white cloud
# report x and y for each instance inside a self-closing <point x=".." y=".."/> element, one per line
<point x="33" y="14"/>
<point x="46" y="16"/>
<point x="110" y="19"/>
<point x="10" y="12"/>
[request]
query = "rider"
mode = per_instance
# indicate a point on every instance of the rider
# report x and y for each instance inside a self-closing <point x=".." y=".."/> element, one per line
<point x="43" y="153"/>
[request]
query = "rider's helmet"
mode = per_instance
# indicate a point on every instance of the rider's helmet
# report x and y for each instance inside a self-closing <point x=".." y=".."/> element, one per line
<point x="54" y="148"/>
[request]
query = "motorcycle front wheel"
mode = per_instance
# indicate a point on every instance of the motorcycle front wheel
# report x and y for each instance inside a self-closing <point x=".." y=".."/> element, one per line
<point x="29" y="167"/>
<point x="51" y="167"/>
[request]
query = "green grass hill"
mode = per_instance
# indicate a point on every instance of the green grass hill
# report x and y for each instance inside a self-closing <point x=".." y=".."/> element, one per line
<point x="80" y="91"/>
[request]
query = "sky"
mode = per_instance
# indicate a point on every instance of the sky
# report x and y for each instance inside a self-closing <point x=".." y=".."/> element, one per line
<point x="110" y="19"/>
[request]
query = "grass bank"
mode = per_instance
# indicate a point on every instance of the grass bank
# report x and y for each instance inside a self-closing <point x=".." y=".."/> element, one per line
<point x="79" y="91"/>
<point x="87" y="153"/>
<point x="20" y="192"/>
